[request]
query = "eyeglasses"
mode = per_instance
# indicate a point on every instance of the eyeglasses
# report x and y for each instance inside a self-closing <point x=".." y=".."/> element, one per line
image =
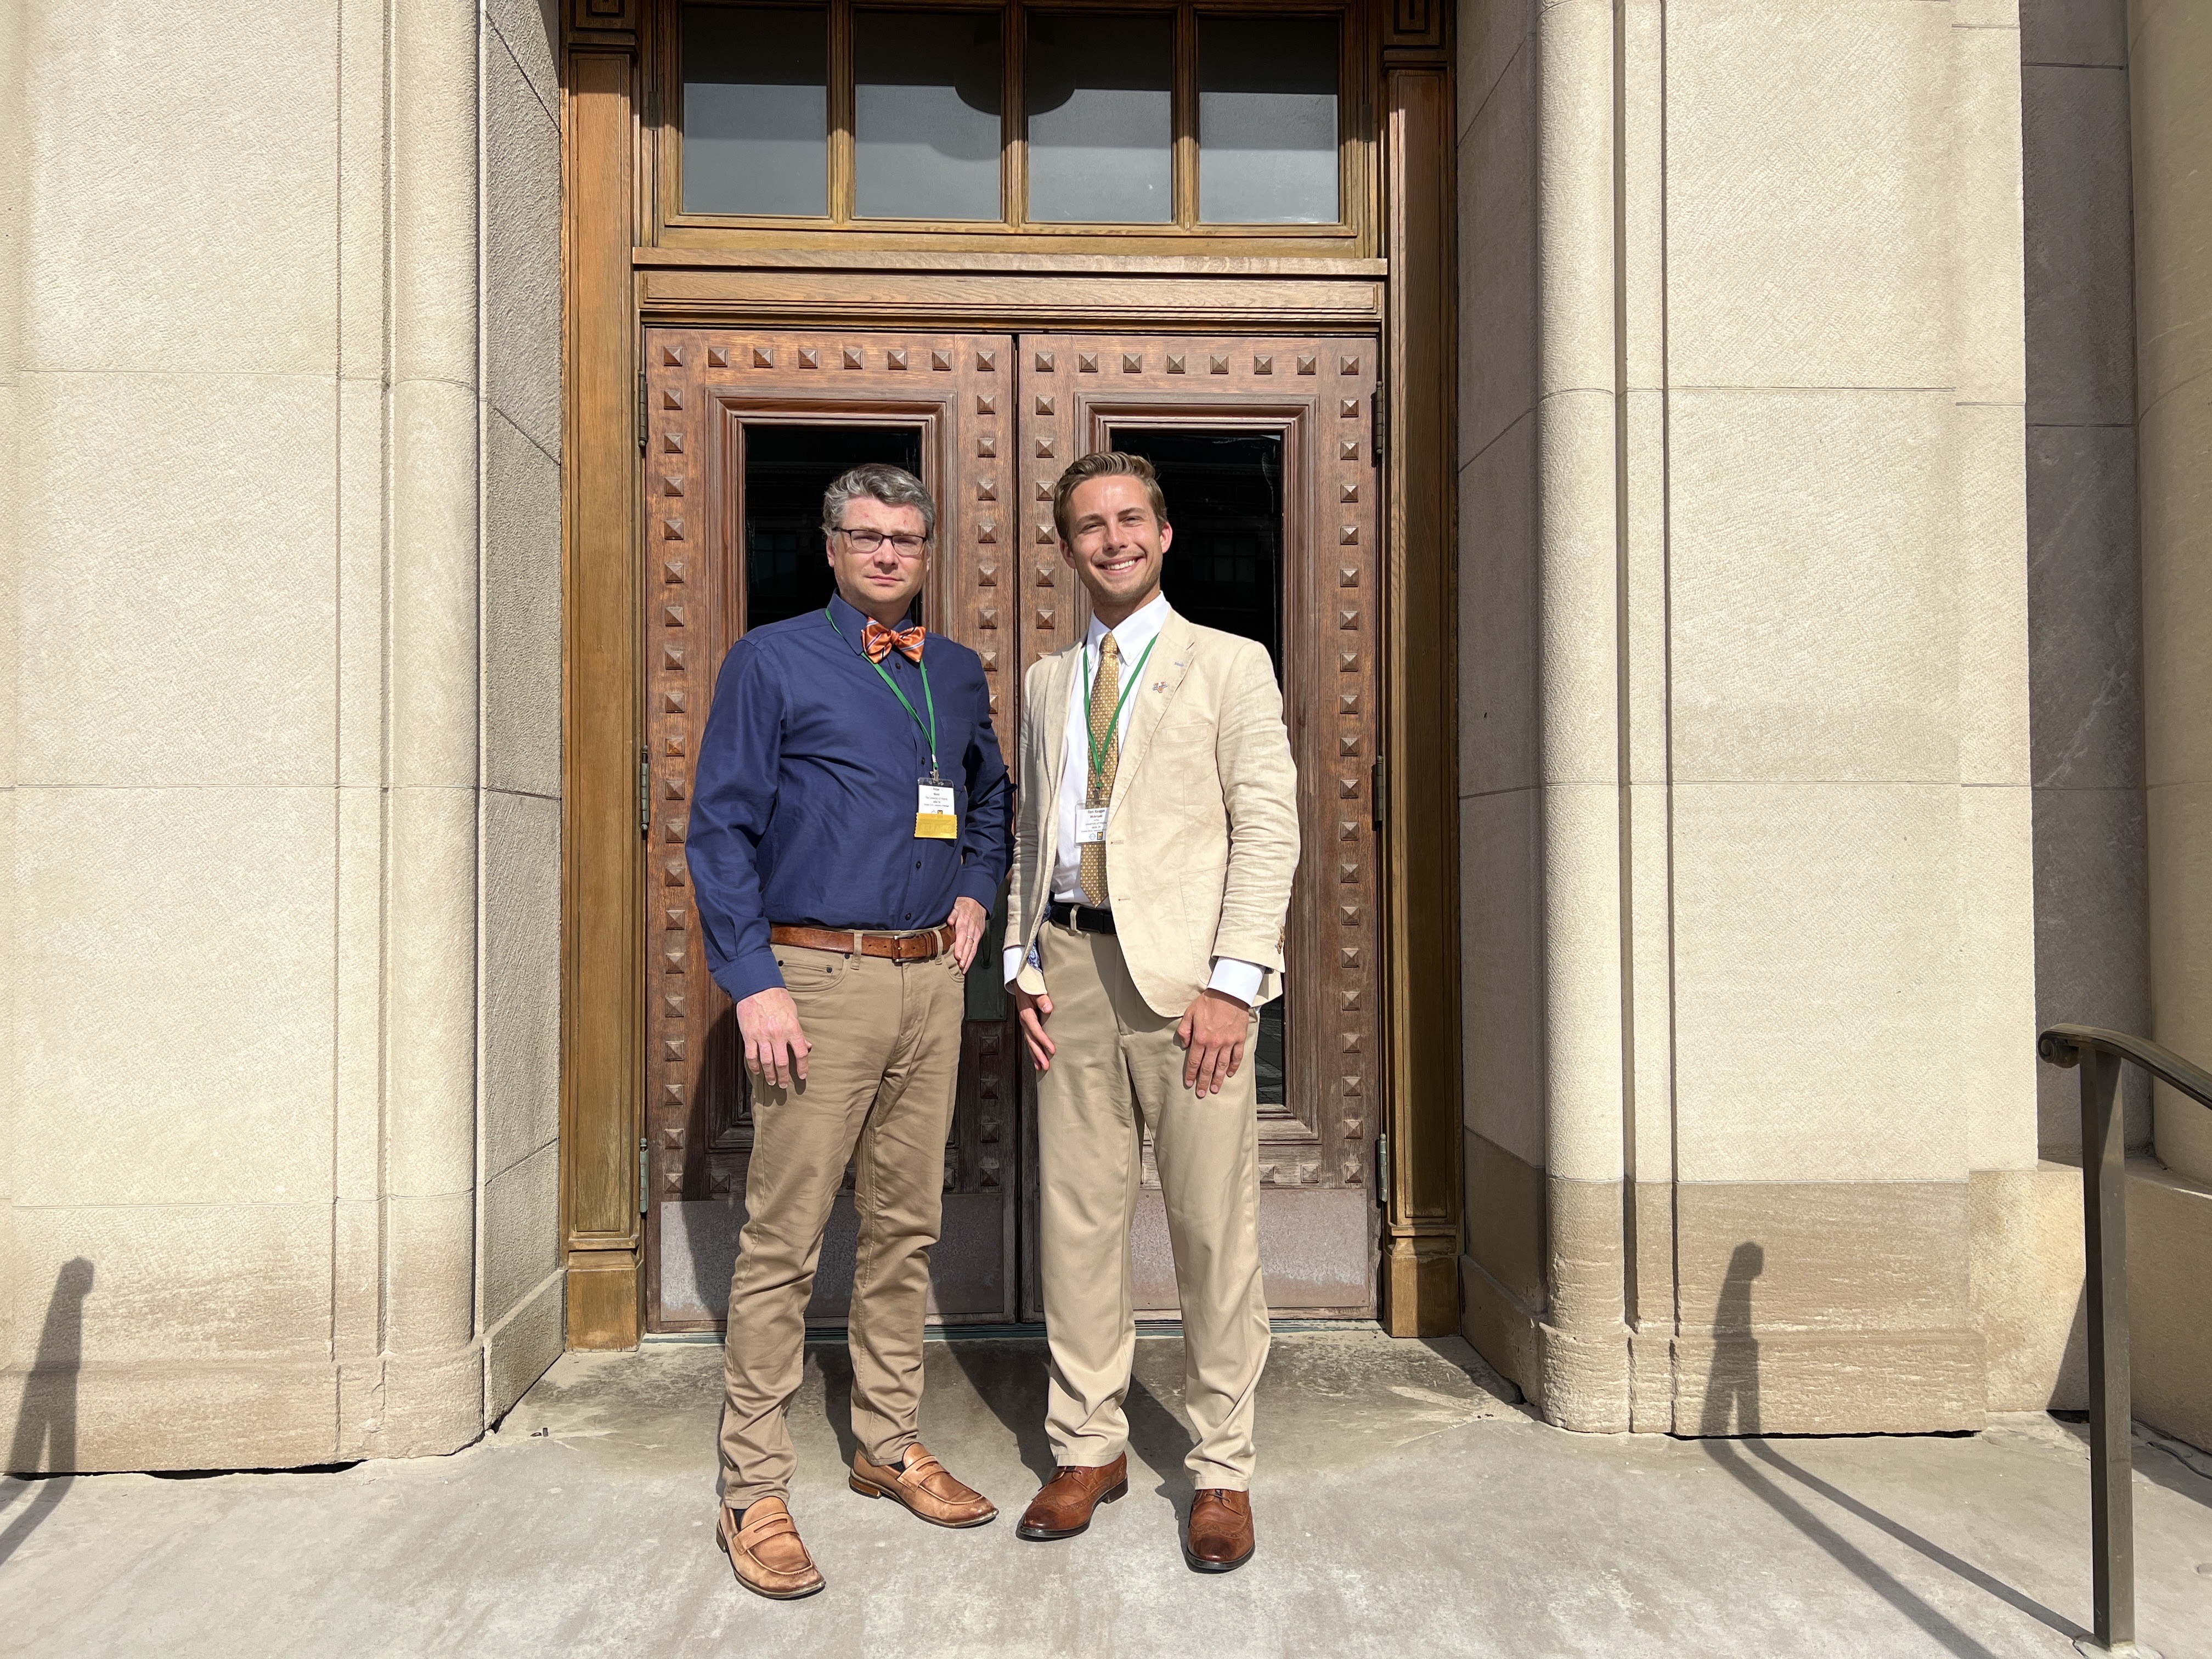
<point x="867" y="541"/>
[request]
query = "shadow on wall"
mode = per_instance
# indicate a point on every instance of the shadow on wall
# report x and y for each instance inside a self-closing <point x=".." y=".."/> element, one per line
<point x="1732" y="1388"/>
<point x="46" y="1428"/>
<point x="1732" y="1405"/>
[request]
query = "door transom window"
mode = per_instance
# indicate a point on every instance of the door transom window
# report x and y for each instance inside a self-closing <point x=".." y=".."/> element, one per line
<point x="1167" y="117"/>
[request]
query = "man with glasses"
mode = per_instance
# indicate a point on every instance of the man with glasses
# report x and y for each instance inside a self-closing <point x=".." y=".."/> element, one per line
<point x="848" y="833"/>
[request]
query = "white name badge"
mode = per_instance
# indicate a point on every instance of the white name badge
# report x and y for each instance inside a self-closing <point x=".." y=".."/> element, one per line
<point x="935" y="816"/>
<point x="1089" y="825"/>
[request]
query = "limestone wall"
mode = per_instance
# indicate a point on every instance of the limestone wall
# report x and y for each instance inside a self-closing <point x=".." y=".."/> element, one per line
<point x="281" y="364"/>
<point x="1746" y="794"/>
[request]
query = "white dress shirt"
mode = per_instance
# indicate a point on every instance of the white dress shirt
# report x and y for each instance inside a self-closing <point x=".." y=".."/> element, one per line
<point x="1231" y="975"/>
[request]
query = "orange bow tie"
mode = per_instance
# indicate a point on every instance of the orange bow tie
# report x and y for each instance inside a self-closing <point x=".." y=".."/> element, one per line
<point x="879" y="641"/>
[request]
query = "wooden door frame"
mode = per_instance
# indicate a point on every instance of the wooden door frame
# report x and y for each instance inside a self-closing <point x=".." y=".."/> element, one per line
<point x="613" y="284"/>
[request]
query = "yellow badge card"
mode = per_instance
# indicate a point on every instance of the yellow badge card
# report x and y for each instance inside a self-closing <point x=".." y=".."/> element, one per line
<point x="934" y="818"/>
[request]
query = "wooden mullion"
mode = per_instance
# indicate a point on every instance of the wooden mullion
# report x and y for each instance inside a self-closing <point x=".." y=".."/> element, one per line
<point x="661" y="52"/>
<point x="843" y="138"/>
<point x="1350" y="76"/>
<point x="1014" y="102"/>
<point x="1185" y="138"/>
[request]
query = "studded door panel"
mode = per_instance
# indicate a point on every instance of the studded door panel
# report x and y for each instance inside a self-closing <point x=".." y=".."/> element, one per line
<point x="704" y="388"/>
<point x="1317" y="1148"/>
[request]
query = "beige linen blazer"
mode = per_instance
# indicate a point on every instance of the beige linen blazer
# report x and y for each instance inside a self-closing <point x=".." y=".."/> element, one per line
<point x="1202" y="828"/>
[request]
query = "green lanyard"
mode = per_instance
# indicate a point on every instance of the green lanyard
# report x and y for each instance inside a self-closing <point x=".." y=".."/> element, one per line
<point x="1098" y="748"/>
<point x="931" y="729"/>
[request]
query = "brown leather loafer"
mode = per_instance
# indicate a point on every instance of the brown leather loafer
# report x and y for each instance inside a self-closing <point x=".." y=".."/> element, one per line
<point x="1062" y="1506"/>
<point x="1221" y="1535"/>
<point x="924" y="1486"/>
<point x="766" y="1553"/>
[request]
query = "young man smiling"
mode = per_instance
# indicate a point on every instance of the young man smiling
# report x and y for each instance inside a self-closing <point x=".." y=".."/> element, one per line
<point x="848" y="836"/>
<point x="1154" y="852"/>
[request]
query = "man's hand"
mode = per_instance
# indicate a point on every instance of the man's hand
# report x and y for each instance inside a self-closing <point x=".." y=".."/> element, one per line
<point x="776" y="1048"/>
<point x="969" y="920"/>
<point x="1034" y="1010"/>
<point x="1211" y="1031"/>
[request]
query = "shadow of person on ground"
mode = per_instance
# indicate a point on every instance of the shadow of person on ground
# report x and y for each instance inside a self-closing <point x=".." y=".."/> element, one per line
<point x="1009" y="1377"/>
<point x="46" y="1428"/>
<point x="1158" y="1438"/>
<point x="835" y="1359"/>
<point x="1732" y="1404"/>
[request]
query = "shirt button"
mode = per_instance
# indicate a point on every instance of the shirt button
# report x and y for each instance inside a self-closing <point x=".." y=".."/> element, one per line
<point x="909" y="915"/>
<point x="917" y="864"/>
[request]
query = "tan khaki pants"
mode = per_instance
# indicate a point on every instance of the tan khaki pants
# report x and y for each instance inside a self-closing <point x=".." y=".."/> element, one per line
<point x="1117" y="1071"/>
<point x="879" y="1092"/>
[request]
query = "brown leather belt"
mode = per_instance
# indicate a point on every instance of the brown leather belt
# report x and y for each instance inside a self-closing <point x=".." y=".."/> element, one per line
<point x="899" y="947"/>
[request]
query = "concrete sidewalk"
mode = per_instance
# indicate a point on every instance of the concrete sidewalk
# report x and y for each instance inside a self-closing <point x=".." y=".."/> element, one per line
<point x="1404" y="1507"/>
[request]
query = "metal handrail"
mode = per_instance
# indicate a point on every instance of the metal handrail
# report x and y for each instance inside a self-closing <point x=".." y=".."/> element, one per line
<point x="2105" y="1230"/>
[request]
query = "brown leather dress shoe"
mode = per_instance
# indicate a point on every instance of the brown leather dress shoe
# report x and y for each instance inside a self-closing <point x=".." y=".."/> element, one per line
<point x="1062" y="1507"/>
<point x="765" y="1551"/>
<point x="1220" y="1536"/>
<point x="924" y="1486"/>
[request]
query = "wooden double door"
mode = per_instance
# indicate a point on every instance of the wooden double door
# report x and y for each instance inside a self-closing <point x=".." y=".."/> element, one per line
<point x="1265" y="447"/>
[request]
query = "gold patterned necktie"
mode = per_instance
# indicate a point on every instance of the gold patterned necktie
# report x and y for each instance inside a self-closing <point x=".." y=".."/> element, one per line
<point x="1105" y="693"/>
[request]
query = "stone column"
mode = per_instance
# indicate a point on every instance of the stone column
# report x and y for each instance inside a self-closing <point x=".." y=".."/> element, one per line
<point x="1582" y="811"/>
<point x="1745" y="803"/>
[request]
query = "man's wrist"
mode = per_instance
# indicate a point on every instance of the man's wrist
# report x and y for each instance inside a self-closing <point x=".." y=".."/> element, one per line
<point x="1237" y="979"/>
<point x="749" y="975"/>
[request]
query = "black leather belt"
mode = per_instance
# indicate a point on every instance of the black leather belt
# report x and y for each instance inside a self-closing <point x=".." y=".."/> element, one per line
<point x="1081" y="917"/>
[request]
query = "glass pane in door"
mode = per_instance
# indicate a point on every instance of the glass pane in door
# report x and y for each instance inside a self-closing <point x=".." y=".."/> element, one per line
<point x="926" y="114"/>
<point x="756" y="110"/>
<point x="1101" y="117"/>
<point x="1267" y="120"/>
<point x="1225" y="495"/>
<point x="787" y="469"/>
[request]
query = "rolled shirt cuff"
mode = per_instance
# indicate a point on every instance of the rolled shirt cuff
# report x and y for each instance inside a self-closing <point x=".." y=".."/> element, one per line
<point x="1234" y="977"/>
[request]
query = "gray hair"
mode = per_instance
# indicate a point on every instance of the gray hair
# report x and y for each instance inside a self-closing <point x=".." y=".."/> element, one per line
<point x="894" y="486"/>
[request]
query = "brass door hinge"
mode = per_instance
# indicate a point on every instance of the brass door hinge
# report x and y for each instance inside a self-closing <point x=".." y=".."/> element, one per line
<point x="641" y="1176"/>
<point x="644" y="794"/>
<point x="641" y="420"/>
<point x="1382" y="1170"/>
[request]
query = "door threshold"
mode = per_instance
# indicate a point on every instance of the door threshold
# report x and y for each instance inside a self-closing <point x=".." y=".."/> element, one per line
<point x="1025" y="1332"/>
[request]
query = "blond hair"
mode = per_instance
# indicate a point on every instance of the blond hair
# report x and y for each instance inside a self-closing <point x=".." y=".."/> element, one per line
<point x="1106" y="464"/>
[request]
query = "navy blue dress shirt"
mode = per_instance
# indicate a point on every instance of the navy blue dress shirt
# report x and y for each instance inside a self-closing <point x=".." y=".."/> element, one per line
<point x="803" y="805"/>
